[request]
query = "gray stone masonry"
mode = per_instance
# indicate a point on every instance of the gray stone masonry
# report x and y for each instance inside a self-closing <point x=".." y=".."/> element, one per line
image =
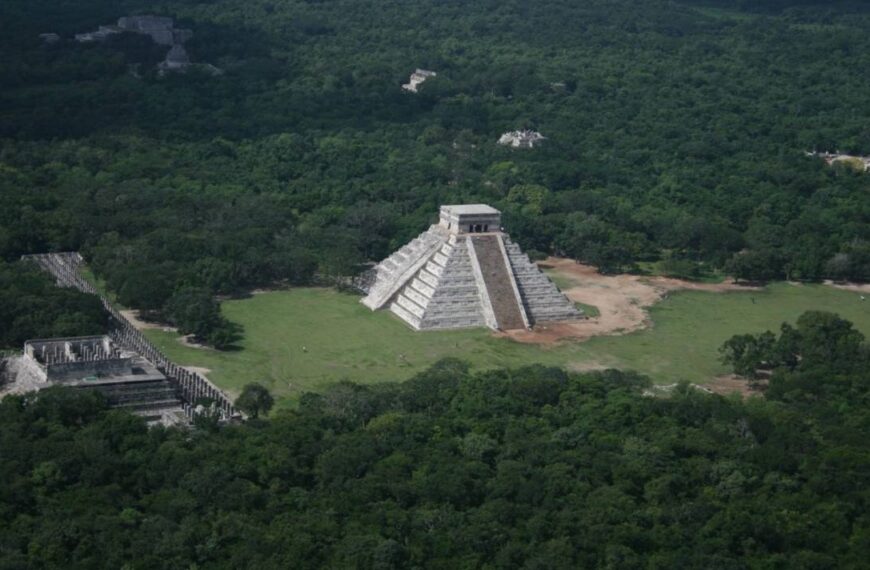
<point x="542" y="299"/>
<point x="464" y="272"/>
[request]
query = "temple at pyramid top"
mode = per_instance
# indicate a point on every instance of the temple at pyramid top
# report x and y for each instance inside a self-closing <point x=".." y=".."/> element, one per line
<point x="465" y="271"/>
<point x="470" y="218"/>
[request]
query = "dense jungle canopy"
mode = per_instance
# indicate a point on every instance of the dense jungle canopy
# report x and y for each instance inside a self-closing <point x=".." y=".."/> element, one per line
<point x="527" y="468"/>
<point x="676" y="130"/>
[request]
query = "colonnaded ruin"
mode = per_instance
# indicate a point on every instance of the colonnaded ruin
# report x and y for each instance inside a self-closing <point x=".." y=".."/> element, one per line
<point x="124" y="365"/>
<point x="465" y="271"/>
<point x="124" y="377"/>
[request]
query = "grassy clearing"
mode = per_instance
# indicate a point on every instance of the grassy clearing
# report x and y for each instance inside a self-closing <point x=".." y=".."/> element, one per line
<point x="304" y="339"/>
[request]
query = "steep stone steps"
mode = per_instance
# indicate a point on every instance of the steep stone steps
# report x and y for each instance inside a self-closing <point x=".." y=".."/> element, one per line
<point x="542" y="299"/>
<point x="497" y="279"/>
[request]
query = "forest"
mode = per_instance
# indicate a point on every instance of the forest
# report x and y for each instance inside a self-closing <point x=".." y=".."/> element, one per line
<point x="525" y="468"/>
<point x="676" y="132"/>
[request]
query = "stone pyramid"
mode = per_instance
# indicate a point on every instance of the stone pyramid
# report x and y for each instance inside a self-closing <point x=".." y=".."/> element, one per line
<point x="465" y="272"/>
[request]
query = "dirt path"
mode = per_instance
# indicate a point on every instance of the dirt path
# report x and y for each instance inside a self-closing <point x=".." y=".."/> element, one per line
<point x="139" y="324"/>
<point x="730" y="383"/>
<point x="188" y="341"/>
<point x="854" y="287"/>
<point x="622" y="300"/>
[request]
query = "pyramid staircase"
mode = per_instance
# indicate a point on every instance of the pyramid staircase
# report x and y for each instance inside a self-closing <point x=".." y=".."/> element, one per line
<point x="441" y="280"/>
<point x="542" y="299"/>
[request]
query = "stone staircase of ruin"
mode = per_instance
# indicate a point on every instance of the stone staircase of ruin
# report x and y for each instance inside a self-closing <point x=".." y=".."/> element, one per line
<point x="542" y="299"/>
<point x="151" y="399"/>
<point x="498" y="282"/>
<point x="395" y="271"/>
<point x="443" y="293"/>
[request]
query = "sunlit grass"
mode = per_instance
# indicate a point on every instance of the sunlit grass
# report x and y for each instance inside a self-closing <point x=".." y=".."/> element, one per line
<point x="304" y="339"/>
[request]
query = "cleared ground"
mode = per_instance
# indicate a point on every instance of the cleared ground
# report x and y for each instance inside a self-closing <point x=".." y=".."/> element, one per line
<point x="303" y="339"/>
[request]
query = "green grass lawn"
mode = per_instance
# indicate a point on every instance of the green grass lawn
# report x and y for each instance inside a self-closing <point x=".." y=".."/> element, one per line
<point x="303" y="339"/>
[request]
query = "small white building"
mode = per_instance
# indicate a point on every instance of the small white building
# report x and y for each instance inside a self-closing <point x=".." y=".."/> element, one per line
<point x="832" y="158"/>
<point x="417" y="79"/>
<point x="521" y="139"/>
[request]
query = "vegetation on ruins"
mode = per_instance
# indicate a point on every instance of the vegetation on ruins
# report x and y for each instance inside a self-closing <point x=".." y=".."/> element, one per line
<point x="521" y="468"/>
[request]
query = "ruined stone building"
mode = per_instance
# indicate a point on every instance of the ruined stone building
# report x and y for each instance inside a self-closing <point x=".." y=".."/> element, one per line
<point x="177" y="58"/>
<point x="465" y="271"/>
<point x="125" y="378"/>
<point x="521" y="139"/>
<point x="161" y="30"/>
<point x="832" y="158"/>
<point x="417" y="79"/>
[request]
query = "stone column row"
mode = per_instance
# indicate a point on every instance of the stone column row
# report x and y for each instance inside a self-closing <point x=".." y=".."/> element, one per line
<point x="65" y="267"/>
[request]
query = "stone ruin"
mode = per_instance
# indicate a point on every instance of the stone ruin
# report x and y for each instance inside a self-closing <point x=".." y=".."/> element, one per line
<point x="49" y="38"/>
<point x="521" y="139"/>
<point x="465" y="271"/>
<point x="125" y="378"/>
<point x="161" y="30"/>
<point x="417" y="79"/>
<point x="133" y="392"/>
<point x="832" y="158"/>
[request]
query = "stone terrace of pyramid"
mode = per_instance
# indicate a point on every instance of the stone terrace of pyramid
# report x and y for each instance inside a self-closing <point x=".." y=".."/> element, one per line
<point x="465" y="272"/>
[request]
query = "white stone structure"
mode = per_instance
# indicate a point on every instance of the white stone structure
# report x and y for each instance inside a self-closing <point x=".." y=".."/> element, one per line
<point x="417" y="79"/>
<point x="521" y="139"/>
<point x="832" y="158"/>
<point x="176" y="59"/>
<point x="49" y="38"/>
<point x="465" y="272"/>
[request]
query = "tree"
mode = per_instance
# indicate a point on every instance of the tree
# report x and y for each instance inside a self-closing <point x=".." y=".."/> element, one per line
<point x="195" y="311"/>
<point x="254" y="400"/>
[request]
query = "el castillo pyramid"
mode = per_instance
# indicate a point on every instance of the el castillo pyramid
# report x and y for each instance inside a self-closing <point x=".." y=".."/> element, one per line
<point x="462" y="272"/>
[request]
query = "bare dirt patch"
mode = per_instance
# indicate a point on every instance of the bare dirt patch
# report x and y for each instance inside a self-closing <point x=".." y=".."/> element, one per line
<point x="846" y="286"/>
<point x="730" y="383"/>
<point x="199" y="370"/>
<point x="622" y="300"/>
<point x="189" y="341"/>
<point x="139" y="324"/>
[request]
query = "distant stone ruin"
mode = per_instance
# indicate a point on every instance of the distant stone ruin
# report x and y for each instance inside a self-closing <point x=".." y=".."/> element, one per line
<point x="146" y="359"/>
<point x="832" y="158"/>
<point x="96" y="363"/>
<point x="466" y="272"/>
<point x="49" y="38"/>
<point x="521" y="139"/>
<point x="417" y="79"/>
<point x="161" y="30"/>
